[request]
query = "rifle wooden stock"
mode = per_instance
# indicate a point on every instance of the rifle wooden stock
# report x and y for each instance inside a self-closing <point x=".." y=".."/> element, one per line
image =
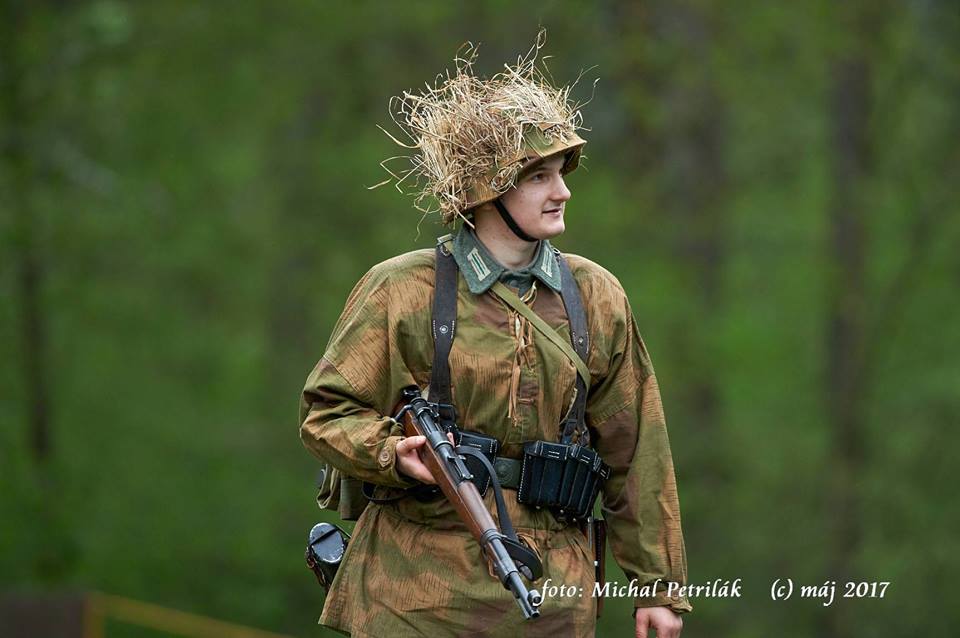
<point x="441" y="458"/>
<point x="462" y="494"/>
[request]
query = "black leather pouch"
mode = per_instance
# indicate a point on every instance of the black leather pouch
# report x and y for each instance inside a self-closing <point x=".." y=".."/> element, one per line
<point x="565" y="478"/>
<point x="542" y="473"/>
<point x="586" y="472"/>
<point x="487" y="445"/>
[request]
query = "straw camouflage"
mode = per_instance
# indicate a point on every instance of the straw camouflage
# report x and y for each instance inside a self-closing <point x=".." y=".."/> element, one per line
<point x="472" y="137"/>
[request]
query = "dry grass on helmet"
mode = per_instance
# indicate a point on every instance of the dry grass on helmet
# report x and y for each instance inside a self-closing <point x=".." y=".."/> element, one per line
<point x="467" y="130"/>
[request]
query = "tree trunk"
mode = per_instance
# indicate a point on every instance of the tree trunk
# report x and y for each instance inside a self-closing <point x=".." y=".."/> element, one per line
<point x="849" y="94"/>
<point x="677" y="125"/>
<point x="692" y="190"/>
<point x="29" y="263"/>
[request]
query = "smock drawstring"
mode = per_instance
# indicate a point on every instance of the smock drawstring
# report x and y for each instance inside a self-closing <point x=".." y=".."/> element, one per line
<point x="523" y="355"/>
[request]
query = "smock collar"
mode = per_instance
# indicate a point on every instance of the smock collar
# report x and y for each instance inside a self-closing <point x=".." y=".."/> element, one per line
<point x="481" y="270"/>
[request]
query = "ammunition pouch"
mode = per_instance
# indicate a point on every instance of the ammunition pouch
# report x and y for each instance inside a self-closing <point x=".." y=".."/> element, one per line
<point x="486" y="445"/>
<point x="564" y="478"/>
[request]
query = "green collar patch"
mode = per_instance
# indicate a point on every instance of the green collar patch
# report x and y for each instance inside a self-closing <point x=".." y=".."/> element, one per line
<point x="481" y="270"/>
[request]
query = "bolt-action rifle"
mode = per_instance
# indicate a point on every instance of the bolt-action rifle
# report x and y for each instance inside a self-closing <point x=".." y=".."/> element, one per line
<point x="508" y="555"/>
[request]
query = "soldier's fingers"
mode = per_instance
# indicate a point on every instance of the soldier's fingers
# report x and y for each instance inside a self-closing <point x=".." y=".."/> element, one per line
<point x="669" y="628"/>
<point x="412" y="466"/>
<point x="408" y="456"/>
<point x="642" y="625"/>
<point x="422" y="474"/>
<point x="410" y="443"/>
<point x="408" y="460"/>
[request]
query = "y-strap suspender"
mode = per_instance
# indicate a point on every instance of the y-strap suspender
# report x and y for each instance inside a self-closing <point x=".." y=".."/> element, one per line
<point x="580" y="338"/>
<point x="444" y="322"/>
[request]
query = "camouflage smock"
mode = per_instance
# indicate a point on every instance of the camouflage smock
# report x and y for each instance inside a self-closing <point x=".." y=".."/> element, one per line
<point x="411" y="568"/>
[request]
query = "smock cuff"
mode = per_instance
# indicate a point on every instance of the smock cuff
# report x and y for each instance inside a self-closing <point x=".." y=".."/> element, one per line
<point x="677" y="604"/>
<point x="390" y="471"/>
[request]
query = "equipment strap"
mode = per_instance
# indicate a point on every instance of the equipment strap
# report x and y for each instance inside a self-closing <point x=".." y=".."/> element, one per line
<point x="575" y="420"/>
<point x="444" y="322"/>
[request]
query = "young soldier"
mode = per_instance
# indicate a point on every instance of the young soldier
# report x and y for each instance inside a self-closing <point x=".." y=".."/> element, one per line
<point x="494" y="153"/>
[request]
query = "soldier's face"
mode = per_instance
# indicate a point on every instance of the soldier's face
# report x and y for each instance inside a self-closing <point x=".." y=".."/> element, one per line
<point x="537" y="202"/>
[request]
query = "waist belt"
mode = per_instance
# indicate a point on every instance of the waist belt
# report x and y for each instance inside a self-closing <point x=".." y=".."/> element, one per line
<point x="564" y="478"/>
<point x="508" y="471"/>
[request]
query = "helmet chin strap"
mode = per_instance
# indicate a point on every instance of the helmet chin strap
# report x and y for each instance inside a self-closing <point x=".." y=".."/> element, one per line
<point x="512" y="225"/>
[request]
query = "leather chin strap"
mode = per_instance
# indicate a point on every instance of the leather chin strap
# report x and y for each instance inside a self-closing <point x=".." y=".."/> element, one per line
<point x="508" y="219"/>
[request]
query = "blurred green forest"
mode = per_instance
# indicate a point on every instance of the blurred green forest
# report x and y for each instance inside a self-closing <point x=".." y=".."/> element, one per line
<point x="183" y="210"/>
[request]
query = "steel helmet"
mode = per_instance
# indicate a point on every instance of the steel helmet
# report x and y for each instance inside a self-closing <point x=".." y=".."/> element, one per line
<point x="472" y="137"/>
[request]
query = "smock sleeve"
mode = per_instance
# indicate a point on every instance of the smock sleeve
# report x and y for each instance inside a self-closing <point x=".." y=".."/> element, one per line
<point x="640" y="502"/>
<point x="349" y="395"/>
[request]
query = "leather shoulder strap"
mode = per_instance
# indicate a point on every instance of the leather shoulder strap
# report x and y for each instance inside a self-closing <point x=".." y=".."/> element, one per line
<point x="443" y="323"/>
<point x="580" y="339"/>
<point x="573" y="303"/>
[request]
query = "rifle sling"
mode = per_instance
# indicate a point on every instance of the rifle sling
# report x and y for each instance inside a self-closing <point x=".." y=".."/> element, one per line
<point x="516" y="548"/>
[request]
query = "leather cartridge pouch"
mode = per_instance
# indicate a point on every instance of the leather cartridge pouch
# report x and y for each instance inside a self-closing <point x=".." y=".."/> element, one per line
<point x="488" y="446"/>
<point x="565" y="478"/>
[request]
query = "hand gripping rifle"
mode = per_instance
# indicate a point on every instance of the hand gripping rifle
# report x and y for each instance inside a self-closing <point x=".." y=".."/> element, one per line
<point x="509" y="556"/>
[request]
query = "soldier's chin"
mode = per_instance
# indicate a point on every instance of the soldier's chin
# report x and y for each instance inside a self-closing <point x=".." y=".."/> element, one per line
<point x="553" y="228"/>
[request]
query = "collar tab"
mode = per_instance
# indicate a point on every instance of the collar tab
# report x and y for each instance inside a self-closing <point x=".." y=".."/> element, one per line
<point x="481" y="270"/>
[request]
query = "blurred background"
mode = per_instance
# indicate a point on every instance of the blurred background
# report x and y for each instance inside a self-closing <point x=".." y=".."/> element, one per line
<point x="183" y="211"/>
